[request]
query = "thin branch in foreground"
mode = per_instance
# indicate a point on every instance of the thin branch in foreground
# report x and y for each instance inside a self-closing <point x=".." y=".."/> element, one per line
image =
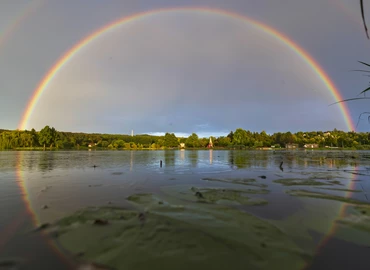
<point x="364" y="63"/>
<point x="363" y="18"/>
<point x="350" y="99"/>
<point x="359" y="118"/>
<point x="363" y="92"/>
<point x="360" y="70"/>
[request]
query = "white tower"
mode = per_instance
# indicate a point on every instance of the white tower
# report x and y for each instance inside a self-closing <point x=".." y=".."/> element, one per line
<point x="132" y="133"/>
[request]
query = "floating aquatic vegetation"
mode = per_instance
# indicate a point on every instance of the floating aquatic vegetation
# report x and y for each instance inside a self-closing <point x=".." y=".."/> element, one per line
<point x="305" y="193"/>
<point x="300" y="182"/>
<point x="360" y="219"/>
<point x="145" y="199"/>
<point x="218" y="195"/>
<point x="196" y="238"/>
<point x="10" y="263"/>
<point x="341" y="189"/>
<point x="240" y="181"/>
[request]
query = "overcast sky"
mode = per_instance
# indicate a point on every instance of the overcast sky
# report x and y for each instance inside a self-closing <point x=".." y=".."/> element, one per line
<point x="181" y="71"/>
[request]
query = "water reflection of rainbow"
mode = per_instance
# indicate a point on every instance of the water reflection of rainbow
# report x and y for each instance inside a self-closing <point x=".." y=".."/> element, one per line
<point x="341" y="213"/>
<point x="305" y="56"/>
<point x="22" y="184"/>
<point x="30" y="209"/>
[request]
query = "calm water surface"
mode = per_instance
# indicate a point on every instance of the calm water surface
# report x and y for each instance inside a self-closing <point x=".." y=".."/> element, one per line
<point x="40" y="187"/>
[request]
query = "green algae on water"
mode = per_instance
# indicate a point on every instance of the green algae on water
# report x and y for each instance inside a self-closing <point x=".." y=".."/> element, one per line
<point x="300" y="182"/>
<point x="164" y="238"/>
<point x="240" y="181"/>
<point x="215" y="195"/>
<point x="340" y="189"/>
<point x="311" y="194"/>
<point x="360" y="219"/>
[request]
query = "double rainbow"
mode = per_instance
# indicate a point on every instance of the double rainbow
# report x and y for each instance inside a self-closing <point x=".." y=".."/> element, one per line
<point x="305" y="56"/>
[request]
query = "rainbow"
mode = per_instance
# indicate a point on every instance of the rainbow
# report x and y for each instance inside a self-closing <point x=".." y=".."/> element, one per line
<point x="305" y="56"/>
<point x="14" y="24"/>
<point x="356" y="18"/>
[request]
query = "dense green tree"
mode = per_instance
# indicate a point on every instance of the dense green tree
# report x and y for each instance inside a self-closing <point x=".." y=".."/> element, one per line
<point x="170" y="140"/>
<point x="47" y="136"/>
<point x="192" y="140"/>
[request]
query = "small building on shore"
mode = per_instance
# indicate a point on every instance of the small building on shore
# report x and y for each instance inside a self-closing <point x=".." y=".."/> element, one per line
<point x="311" y="145"/>
<point x="210" y="145"/>
<point x="291" y="146"/>
<point x="182" y="145"/>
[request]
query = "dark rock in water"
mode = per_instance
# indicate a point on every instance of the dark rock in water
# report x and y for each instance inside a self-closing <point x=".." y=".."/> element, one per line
<point x="9" y="264"/>
<point x="263" y="245"/>
<point x="199" y="195"/>
<point x="160" y="202"/>
<point x="42" y="227"/>
<point x="93" y="266"/>
<point x="263" y="177"/>
<point x="45" y="207"/>
<point x="363" y="212"/>
<point x="80" y="254"/>
<point x="94" y="166"/>
<point x="100" y="222"/>
<point x="98" y="185"/>
<point x="142" y="217"/>
<point x="353" y="157"/>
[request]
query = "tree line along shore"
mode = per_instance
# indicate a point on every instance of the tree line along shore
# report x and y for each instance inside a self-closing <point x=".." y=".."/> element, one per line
<point x="50" y="138"/>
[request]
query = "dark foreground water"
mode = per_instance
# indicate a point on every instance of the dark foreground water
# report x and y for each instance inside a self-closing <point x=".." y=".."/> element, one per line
<point x="313" y="197"/>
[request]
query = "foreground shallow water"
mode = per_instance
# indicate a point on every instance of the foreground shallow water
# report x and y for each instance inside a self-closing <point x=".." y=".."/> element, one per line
<point x="200" y="209"/>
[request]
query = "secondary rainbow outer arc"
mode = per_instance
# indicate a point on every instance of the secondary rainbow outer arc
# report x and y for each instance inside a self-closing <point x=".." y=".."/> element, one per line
<point x="267" y="29"/>
<point x="25" y="12"/>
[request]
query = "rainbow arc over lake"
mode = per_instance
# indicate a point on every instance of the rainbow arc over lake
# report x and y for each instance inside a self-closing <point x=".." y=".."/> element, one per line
<point x="289" y="43"/>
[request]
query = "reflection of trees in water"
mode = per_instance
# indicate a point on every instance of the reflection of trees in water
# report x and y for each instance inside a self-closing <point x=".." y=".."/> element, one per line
<point x="193" y="157"/>
<point x="131" y="160"/>
<point x="169" y="158"/>
<point x="46" y="161"/>
<point x="261" y="159"/>
<point x="307" y="159"/>
<point x="246" y="159"/>
<point x="182" y="154"/>
<point x="30" y="161"/>
<point x="240" y="159"/>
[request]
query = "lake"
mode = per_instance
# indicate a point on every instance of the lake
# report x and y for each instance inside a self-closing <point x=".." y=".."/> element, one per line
<point x="313" y="203"/>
